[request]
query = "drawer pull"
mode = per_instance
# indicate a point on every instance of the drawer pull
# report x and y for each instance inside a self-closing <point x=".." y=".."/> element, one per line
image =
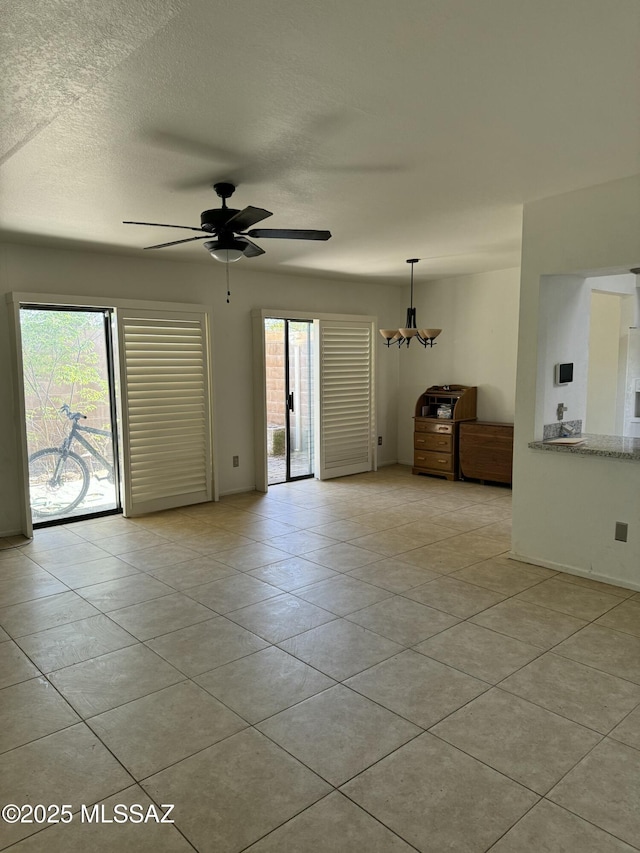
<point x="443" y="460"/>
<point x="443" y="429"/>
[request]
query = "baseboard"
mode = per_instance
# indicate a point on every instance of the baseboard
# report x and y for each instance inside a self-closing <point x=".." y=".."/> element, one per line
<point x="573" y="570"/>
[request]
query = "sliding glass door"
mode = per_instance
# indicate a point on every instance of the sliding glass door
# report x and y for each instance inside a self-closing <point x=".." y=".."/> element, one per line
<point x="290" y="404"/>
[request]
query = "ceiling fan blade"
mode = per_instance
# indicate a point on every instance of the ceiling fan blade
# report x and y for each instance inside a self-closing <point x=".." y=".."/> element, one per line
<point x="162" y="225"/>
<point x="289" y="233"/>
<point x="177" y="242"/>
<point x="250" y="250"/>
<point x="246" y="218"/>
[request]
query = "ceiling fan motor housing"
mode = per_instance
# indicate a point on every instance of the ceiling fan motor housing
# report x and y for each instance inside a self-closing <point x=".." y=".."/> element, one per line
<point x="215" y="220"/>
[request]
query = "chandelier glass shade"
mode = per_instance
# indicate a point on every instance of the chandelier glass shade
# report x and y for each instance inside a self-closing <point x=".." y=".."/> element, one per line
<point x="410" y="331"/>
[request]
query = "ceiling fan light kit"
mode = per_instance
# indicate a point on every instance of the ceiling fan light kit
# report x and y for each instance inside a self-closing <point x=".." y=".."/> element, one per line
<point x="405" y="335"/>
<point x="229" y="226"/>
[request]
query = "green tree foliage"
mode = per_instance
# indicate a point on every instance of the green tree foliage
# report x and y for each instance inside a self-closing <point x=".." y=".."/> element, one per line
<point x="63" y="356"/>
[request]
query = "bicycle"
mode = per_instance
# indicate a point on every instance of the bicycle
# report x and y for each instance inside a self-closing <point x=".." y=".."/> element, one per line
<point x="59" y="478"/>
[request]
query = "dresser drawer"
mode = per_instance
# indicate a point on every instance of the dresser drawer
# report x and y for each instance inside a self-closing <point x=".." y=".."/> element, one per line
<point x="433" y="461"/>
<point x="442" y="427"/>
<point x="433" y="441"/>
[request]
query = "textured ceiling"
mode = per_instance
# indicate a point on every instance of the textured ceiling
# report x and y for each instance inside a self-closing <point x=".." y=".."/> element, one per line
<point x="410" y="129"/>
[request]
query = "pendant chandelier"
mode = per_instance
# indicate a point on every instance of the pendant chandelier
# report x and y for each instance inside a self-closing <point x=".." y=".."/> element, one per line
<point x="404" y="336"/>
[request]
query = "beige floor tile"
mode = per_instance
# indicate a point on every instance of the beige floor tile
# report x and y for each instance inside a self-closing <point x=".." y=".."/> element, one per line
<point x="440" y="557"/>
<point x="3" y="635"/>
<point x="43" y="613"/>
<point x="130" y="837"/>
<point x="252" y="556"/>
<point x="403" y="621"/>
<point x="344" y="530"/>
<point x="262" y="684"/>
<point x="70" y="766"/>
<point x="628" y="731"/>
<point x="279" y="618"/>
<point x="15" y="566"/>
<point x="455" y="596"/>
<point x="338" y="733"/>
<point x="606" y="650"/>
<point x="604" y="790"/>
<point x="217" y="540"/>
<point x="15" y="666"/>
<point x="416" y="687"/>
<point x="153" y="732"/>
<point x="427" y="792"/>
<point x="74" y="642"/>
<point x="530" y="623"/>
<point x="22" y="588"/>
<point x="342" y="595"/>
<point x="581" y="693"/>
<point x="98" y="685"/>
<point x="160" y="615"/>
<point x="204" y="646"/>
<point x="112" y="595"/>
<point x="67" y="555"/>
<point x="131" y="541"/>
<point x="340" y="648"/>
<point x="408" y="537"/>
<point x="517" y="738"/>
<point x="393" y="575"/>
<point x="331" y="825"/>
<point x="547" y="828"/>
<point x="95" y="529"/>
<point x="257" y="528"/>
<point x="449" y="503"/>
<point x="159" y="555"/>
<point x="293" y="573"/>
<point x="301" y="543"/>
<point x="343" y="557"/>
<point x="500" y="577"/>
<point x="625" y="617"/>
<point x="31" y="710"/>
<point x="478" y="651"/>
<point x="193" y="573"/>
<point x="97" y="571"/>
<point x="54" y="537"/>
<point x="597" y="586"/>
<point x="225" y="796"/>
<point x="233" y="592"/>
<point x="569" y="598"/>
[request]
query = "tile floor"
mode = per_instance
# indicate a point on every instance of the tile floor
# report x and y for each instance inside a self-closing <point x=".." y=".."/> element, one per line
<point x="353" y="665"/>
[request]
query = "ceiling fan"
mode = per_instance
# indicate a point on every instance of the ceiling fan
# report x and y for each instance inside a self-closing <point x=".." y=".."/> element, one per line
<point x="228" y="226"/>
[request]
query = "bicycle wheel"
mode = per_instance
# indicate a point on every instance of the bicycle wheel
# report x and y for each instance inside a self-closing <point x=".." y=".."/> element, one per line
<point x="57" y="484"/>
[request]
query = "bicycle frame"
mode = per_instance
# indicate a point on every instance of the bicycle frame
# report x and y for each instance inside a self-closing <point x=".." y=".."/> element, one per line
<point x="76" y="429"/>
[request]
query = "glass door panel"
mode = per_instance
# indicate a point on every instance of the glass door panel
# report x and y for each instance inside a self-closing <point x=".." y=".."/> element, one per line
<point x="299" y="399"/>
<point x="70" y="412"/>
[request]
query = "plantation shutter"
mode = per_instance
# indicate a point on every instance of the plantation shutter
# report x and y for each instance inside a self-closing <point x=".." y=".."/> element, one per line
<point x="345" y="384"/>
<point x="164" y="380"/>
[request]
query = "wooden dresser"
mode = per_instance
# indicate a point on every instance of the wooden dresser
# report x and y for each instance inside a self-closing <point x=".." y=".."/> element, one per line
<point x="435" y="439"/>
<point x="486" y="451"/>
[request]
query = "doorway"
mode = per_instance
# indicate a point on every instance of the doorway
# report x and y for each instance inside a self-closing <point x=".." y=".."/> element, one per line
<point x="70" y="408"/>
<point x="290" y="399"/>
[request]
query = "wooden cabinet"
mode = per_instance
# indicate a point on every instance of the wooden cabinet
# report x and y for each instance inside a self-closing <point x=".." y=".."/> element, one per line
<point x="435" y="439"/>
<point x="486" y="451"/>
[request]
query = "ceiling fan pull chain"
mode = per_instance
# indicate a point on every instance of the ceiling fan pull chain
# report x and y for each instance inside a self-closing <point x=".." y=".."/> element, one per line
<point x="228" y="289"/>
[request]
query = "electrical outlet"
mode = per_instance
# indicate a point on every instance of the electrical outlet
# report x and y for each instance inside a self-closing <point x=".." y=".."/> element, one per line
<point x="379" y="440"/>
<point x="621" y="531"/>
<point x="236" y="461"/>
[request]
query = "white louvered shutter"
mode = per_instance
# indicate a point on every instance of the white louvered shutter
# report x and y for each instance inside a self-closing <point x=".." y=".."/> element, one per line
<point x="164" y="379"/>
<point x="345" y="385"/>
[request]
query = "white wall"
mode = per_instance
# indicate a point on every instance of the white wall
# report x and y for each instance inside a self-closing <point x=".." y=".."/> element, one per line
<point x="565" y="506"/>
<point x="478" y="345"/>
<point x="39" y="269"/>
<point x="563" y="336"/>
<point x="602" y="381"/>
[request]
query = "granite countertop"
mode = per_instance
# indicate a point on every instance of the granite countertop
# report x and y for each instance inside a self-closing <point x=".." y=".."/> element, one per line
<point x="610" y="446"/>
